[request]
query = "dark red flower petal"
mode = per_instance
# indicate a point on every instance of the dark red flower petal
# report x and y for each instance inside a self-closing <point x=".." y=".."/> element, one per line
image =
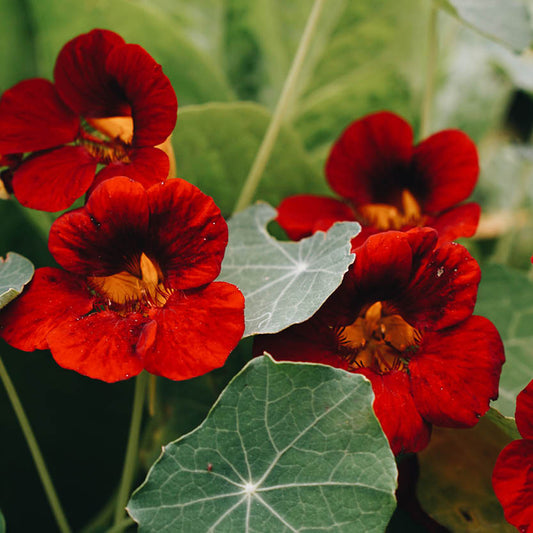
<point x="383" y="264"/>
<point x="512" y="480"/>
<point x="397" y="413"/>
<point x="368" y="156"/>
<point x="52" y="181"/>
<point x="303" y="214"/>
<point x="524" y="411"/>
<point x="147" y="166"/>
<point x="309" y="342"/>
<point x="82" y="80"/>
<point x="148" y="91"/>
<point x="190" y="233"/>
<point x="100" y="345"/>
<point x="447" y="163"/>
<point x="52" y="297"/>
<point x="461" y="221"/>
<point x="456" y="372"/>
<point x="97" y="239"/>
<point x="442" y="291"/>
<point x="33" y="117"/>
<point x="194" y="333"/>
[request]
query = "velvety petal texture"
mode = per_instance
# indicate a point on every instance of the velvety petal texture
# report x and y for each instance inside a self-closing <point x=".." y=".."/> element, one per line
<point x="387" y="183"/>
<point x="302" y="215"/>
<point x="137" y="292"/>
<point x="403" y="318"/>
<point x="52" y="181"/>
<point x="33" y="117"/>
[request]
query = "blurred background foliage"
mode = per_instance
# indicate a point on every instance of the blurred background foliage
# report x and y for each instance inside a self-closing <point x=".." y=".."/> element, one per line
<point x="227" y="61"/>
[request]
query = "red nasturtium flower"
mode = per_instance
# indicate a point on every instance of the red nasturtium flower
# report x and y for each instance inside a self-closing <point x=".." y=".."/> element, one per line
<point x="137" y="291"/>
<point x="402" y="317"/>
<point x="512" y="477"/>
<point x="110" y="105"/>
<point x="389" y="184"/>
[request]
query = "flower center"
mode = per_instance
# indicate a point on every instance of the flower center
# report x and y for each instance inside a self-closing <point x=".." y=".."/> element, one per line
<point x="378" y="340"/>
<point x="387" y="216"/>
<point x="108" y="139"/>
<point x="142" y="282"/>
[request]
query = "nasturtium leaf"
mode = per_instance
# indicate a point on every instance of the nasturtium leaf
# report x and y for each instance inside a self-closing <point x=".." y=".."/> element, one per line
<point x="283" y="282"/>
<point x="455" y="479"/>
<point x="215" y="146"/>
<point x="15" y="272"/>
<point x="287" y="447"/>
<point x="505" y="423"/>
<point x="505" y="21"/>
<point x="506" y="297"/>
<point x="2" y="523"/>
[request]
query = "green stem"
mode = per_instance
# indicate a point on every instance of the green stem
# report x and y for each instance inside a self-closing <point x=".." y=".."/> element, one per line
<point x="269" y="140"/>
<point x="130" y="459"/>
<point x="431" y="66"/>
<point x="38" y="459"/>
<point x="121" y="526"/>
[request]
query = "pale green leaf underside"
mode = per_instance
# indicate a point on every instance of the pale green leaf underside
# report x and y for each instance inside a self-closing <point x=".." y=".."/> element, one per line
<point x="15" y="272"/>
<point x="506" y="298"/>
<point x="283" y="282"/>
<point x="287" y="447"/>
<point x="505" y="21"/>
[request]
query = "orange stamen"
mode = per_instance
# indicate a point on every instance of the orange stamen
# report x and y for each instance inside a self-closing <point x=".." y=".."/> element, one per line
<point x="142" y="283"/>
<point x="386" y="216"/>
<point x="378" y="340"/>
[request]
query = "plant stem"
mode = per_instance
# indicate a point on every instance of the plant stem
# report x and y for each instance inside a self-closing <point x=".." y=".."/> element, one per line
<point x="38" y="459"/>
<point x="431" y="66"/>
<point x="121" y="526"/>
<point x="130" y="459"/>
<point x="152" y="392"/>
<point x="267" y="145"/>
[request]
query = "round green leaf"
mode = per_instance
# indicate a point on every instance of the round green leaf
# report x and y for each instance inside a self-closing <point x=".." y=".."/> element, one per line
<point x="216" y="144"/>
<point x="283" y="282"/>
<point x="287" y="447"/>
<point x="15" y="272"/>
<point x="505" y="21"/>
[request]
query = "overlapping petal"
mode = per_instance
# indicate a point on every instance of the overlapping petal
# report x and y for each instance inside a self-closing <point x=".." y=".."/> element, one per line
<point x="99" y="345"/>
<point x="33" y="117"/>
<point x="95" y="239"/>
<point x="303" y="214"/>
<point x="191" y="258"/>
<point x="448" y="164"/>
<point x="512" y="477"/>
<point x="82" y="79"/>
<point x="194" y="332"/>
<point x="366" y="159"/>
<point x="457" y="373"/>
<point x="53" y="297"/>
<point x="52" y="181"/>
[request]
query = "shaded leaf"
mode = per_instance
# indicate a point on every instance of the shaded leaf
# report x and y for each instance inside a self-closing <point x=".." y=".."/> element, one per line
<point x="356" y="63"/>
<point x="455" y="478"/>
<point x="505" y="21"/>
<point x="16" y="44"/>
<point x="505" y="423"/>
<point x="215" y="146"/>
<point x="287" y="447"/>
<point x="2" y="523"/>
<point x="283" y="282"/>
<point x="15" y="272"/>
<point x="196" y="78"/>
<point x="506" y="298"/>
